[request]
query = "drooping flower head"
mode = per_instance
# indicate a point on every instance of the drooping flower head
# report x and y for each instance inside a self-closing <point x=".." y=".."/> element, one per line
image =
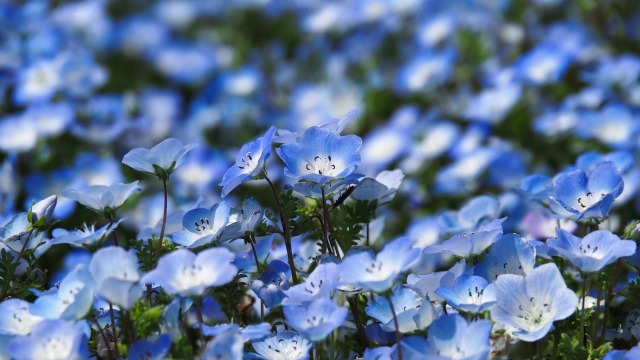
<point x="321" y="156"/>
<point x="528" y="305"/>
<point x="102" y="198"/>
<point x="160" y="160"/>
<point x="249" y="162"/>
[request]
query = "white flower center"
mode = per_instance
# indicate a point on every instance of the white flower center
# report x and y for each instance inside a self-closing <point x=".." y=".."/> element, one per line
<point x="247" y="162"/>
<point x="532" y="313"/>
<point x="588" y="200"/>
<point x="322" y="165"/>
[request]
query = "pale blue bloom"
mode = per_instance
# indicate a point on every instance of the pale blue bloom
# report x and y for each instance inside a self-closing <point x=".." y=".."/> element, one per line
<point x="203" y="226"/>
<point x="528" y="305"/>
<point x="469" y="293"/>
<point x="473" y="243"/>
<point x="283" y="345"/>
<point x="321" y="156"/>
<point x="382" y="188"/>
<point x="228" y="345"/>
<point x="187" y="274"/>
<point x="413" y="311"/>
<point x="544" y="64"/>
<point x="70" y="300"/>
<point x="173" y="316"/>
<point x="160" y="160"/>
<point x="378" y="273"/>
<point x="52" y="339"/>
<point x="87" y="235"/>
<point x="588" y="197"/>
<point x="509" y="255"/>
<point x="150" y="350"/>
<point x="250" y="332"/>
<point x="102" y="198"/>
<point x="452" y="337"/>
<point x="424" y="71"/>
<point x="15" y="317"/>
<point x="492" y="104"/>
<point x="320" y="283"/>
<point x="18" y="133"/>
<point x="272" y="282"/>
<point x="475" y="212"/>
<point x="429" y="283"/>
<point x="115" y="272"/>
<point x="316" y="319"/>
<point x="593" y="252"/>
<point x="107" y="119"/>
<point x="250" y="162"/>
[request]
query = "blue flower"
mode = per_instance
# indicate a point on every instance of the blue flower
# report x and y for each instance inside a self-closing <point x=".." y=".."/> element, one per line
<point x="473" y="243"/>
<point x="70" y="300"/>
<point x="321" y="156"/>
<point x="272" y="282"/>
<point x="317" y="319"/>
<point x="227" y="345"/>
<point x="102" y="198"/>
<point x="383" y="188"/>
<point x="202" y="226"/>
<point x="429" y="283"/>
<point x="187" y="274"/>
<point x="52" y="339"/>
<point x="593" y="252"/>
<point x="15" y="317"/>
<point x="87" y="235"/>
<point x="160" y="160"/>
<point x="469" y="293"/>
<point x="115" y="272"/>
<point x="452" y="337"/>
<point x="320" y="283"/>
<point x="509" y="255"/>
<point x="377" y="273"/>
<point x="589" y="197"/>
<point x="529" y="305"/>
<point x="150" y="350"/>
<point x="250" y="162"/>
<point x="413" y="311"/>
<point x="283" y="345"/>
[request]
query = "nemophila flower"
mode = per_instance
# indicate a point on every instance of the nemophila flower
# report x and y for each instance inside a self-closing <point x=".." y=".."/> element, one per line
<point x="588" y="197"/>
<point x="187" y="274"/>
<point x="473" y="213"/>
<point x="272" y="282"/>
<point x="15" y="228"/>
<point x="246" y="262"/>
<point x="227" y="345"/>
<point x="469" y="293"/>
<point x="631" y="354"/>
<point x="335" y="125"/>
<point x="429" y="283"/>
<point x="87" y="235"/>
<point x="102" y="198"/>
<point x="283" y="345"/>
<point x="462" y="175"/>
<point x="38" y="82"/>
<point x="316" y="319"/>
<point x="593" y="252"/>
<point x="424" y="71"/>
<point x="203" y="226"/>
<point x="382" y="188"/>
<point x="493" y="103"/>
<point x="614" y="125"/>
<point x="509" y="255"/>
<point x="320" y="283"/>
<point x="625" y="163"/>
<point x="249" y="333"/>
<point x="451" y="337"/>
<point x="172" y="316"/>
<point x="413" y="311"/>
<point x="544" y="64"/>
<point x="472" y="243"/>
<point x="70" y="300"/>
<point x="250" y="162"/>
<point x="250" y="215"/>
<point x="210" y="310"/>
<point x="528" y="305"/>
<point x="321" y="156"/>
<point x="150" y="350"/>
<point x="160" y="160"/>
<point x="15" y="317"/>
<point x="106" y="118"/>
<point x="52" y="339"/>
<point x="116" y="275"/>
<point x="378" y="273"/>
<point x="42" y="211"/>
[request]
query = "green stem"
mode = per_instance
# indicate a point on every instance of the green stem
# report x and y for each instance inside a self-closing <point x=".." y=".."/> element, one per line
<point x="362" y="337"/>
<point x="164" y="216"/>
<point x="24" y="247"/>
<point x="583" y="338"/>
<point x="285" y="228"/>
<point x="325" y="217"/>
<point x="255" y="253"/>
<point x="104" y="338"/>
<point x="596" y="315"/>
<point x="395" y="322"/>
<point x="113" y="327"/>
<point x="607" y="301"/>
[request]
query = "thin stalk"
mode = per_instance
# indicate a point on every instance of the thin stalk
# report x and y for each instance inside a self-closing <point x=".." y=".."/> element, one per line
<point x="607" y="301"/>
<point x="395" y="322"/>
<point x="362" y="337"/>
<point x="583" y="338"/>
<point x="164" y="215"/>
<point x="596" y="315"/>
<point x="539" y="349"/>
<point x="200" y="319"/>
<point x="325" y="218"/>
<point x="367" y="232"/>
<point x="113" y="327"/>
<point x="255" y="254"/>
<point x="132" y="329"/>
<point x="113" y="232"/>
<point x="104" y="338"/>
<point x="285" y="228"/>
<point x="24" y="246"/>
